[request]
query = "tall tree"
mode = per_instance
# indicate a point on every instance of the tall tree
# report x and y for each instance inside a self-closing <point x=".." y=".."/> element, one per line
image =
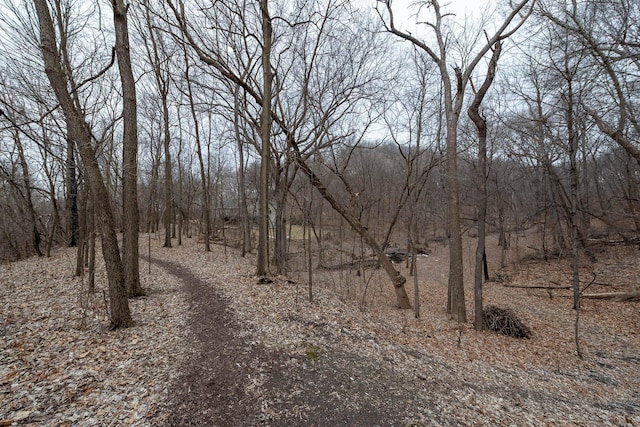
<point x="481" y="125"/>
<point x="204" y="178"/>
<point x="159" y="58"/>
<point x="131" y="216"/>
<point x="301" y="125"/>
<point x="265" y="138"/>
<point x="80" y="133"/>
<point x="454" y="93"/>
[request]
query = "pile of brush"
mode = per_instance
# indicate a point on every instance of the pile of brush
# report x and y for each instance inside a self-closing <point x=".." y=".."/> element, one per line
<point x="504" y="321"/>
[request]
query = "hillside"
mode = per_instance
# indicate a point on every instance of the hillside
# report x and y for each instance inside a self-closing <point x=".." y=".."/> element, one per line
<point x="211" y="345"/>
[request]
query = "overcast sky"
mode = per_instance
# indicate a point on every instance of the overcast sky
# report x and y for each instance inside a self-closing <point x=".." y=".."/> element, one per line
<point x="404" y="11"/>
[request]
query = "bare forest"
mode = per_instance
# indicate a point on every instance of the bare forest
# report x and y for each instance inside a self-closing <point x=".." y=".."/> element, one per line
<point x="322" y="212"/>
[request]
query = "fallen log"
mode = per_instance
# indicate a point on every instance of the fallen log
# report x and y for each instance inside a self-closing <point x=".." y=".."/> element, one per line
<point x="535" y="286"/>
<point x="616" y="296"/>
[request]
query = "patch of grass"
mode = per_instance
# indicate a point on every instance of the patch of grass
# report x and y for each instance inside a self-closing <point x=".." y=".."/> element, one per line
<point x="312" y="351"/>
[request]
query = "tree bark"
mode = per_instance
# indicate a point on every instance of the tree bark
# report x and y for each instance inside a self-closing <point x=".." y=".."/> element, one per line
<point x="265" y="135"/>
<point x="79" y="132"/>
<point x="131" y="215"/>
<point x="26" y="180"/>
<point x="71" y="195"/>
<point x="203" y="176"/>
<point x="481" y="125"/>
<point x="246" y="223"/>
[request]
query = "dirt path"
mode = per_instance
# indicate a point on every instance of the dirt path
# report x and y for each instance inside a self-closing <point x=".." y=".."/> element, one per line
<point x="211" y="388"/>
<point x="264" y="355"/>
<point x="228" y="381"/>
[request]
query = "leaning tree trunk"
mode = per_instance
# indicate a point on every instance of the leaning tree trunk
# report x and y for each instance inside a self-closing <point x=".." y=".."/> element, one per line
<point x="78" y="131"/>
<point x="397" y="279"/>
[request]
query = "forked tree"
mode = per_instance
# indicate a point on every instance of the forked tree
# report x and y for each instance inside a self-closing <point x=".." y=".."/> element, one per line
<point x="454" y="88"/>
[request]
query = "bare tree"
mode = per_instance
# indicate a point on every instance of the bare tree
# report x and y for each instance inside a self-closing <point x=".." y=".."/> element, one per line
<point x="481" y="124"/>
<point x="454" y="92"/>
<point x="265" y="138"/>
<point x="608" y="33"/>
<point x="295" y="129"/>
<point x="204" y="178"/>
<point x="131" y="216"/>
<point x="80" y="132"/>
<point x="159" y="57"/>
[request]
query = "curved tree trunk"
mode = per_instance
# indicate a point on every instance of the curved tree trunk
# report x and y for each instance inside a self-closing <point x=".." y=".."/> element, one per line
<point x="78" y="131"/>
<point x="481" y="125"/>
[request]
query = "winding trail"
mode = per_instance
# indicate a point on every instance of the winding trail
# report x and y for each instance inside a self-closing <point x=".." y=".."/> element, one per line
<point x="211" y="388"/>
<point x="228" y="381"/>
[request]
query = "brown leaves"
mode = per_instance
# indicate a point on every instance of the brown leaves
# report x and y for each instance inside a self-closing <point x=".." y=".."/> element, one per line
<point x="59" y="365"/>
<point x="53" y="372"/>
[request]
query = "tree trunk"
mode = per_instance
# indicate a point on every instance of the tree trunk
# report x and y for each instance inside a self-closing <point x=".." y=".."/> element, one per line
<point x="91" y="242"/>
<point x="481" y="125"/>
<point x="79" y="132"/>
<point x="71" y="195"/>
<point x="203" y="178"/>
<point x="131" y="216"/>
<point x="455" y="301"/>
<point x="82" y="231"/>
<point x="168" y="179"/>
<point x="31" y="210"/>
<point x="573" y="216"/>
<point x="265" y="134"/>
<point x="154" y="45"/>
<point x="245" y="220"/>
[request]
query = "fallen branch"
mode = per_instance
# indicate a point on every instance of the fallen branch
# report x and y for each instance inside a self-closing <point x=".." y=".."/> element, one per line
<point x="20" y="416"/>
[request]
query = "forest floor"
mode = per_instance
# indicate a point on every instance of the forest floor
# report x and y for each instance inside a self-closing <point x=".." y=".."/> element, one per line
<point x="214" y="346"/>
